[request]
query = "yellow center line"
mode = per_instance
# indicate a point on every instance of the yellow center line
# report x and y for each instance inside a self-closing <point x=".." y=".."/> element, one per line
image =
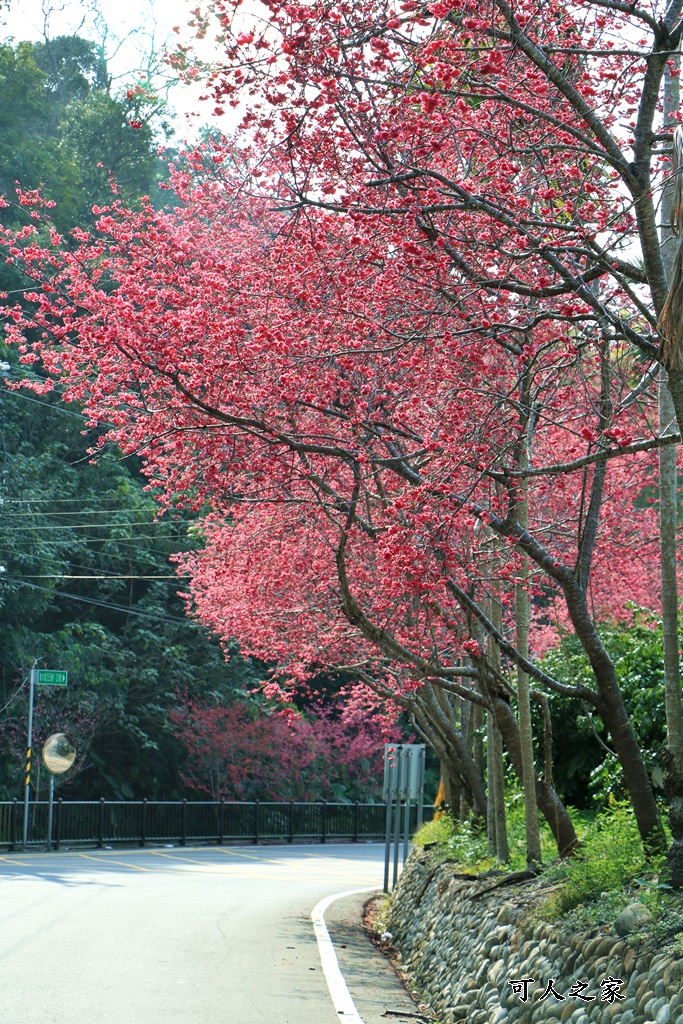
<point x="180" y="857"/>
<point x="348" y="871"/>
<point x="10" y="860"/>
<point x="248" y="856"/>
<point x="123" y="863"/>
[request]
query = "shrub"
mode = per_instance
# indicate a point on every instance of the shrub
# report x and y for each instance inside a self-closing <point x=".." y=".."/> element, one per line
<point x="610" y="857"/>
<point x="439" y="832"/>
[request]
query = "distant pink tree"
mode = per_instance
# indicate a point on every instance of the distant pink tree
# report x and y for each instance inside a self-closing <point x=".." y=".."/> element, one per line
<point x="335" y="753"/>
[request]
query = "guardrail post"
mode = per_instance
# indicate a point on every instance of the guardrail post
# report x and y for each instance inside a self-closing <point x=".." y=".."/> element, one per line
<point x="290" y="837"/>
<point x="143" y="825"/>
<point x="58" y="823"/>
<point x="183" y="824"/>
<point x="257" y="822"/>
<point x="356" y="820"/>
<point x="100" y="824"/>
<point x="13" y="824"/>
<point x="323" y="815"/>
<point x="221" y="822"/>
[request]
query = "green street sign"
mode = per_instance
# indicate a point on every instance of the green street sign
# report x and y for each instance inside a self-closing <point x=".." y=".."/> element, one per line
<point x="47" y="677"/>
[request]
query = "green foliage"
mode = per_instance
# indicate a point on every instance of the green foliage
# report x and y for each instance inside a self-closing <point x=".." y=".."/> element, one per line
<point x="468" y="846"/>
<point x="584" y="769"/>
<point x="465" y="842"/>
<point x="86" y="583"/>
<point x="95" y="133"/>
<point x="438" y="832"/>
<point x="73" y="67"/>
<point x="88" y="587"/>
<point x="63" y="132"/>
<point x="592" y="888"/>
<point x="517" y="831"/>
<point x="611" y="856"/>
<point x="23" y="101"/>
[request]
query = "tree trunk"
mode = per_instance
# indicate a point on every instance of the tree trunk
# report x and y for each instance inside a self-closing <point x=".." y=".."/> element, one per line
<point x="522" y="619"/>
<point x="497" y="824"/>
<point x="550" y="805"/>
<point x="611" y="709"/>
<point x="478" y="740"/>
<point x="672" y="760"/>
<point x="437" y="721"/>
<point x="466" y="710"/>
<point x="453" y="787"/>
<point x="490" y="789"/>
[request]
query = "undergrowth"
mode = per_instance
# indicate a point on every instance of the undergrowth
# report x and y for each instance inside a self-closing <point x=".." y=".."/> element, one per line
<point x="591" y="888"/>
<point x="465" y="842"/>
<point x="609" y="863"/>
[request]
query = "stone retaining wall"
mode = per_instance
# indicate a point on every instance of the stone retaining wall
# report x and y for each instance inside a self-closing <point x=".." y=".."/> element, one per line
<point x="461" y="947"/>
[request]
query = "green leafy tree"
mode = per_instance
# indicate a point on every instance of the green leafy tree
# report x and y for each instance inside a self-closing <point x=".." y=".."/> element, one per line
<point x="88" y="587"/>
<point x="63" y="131"/>
<point x="86" y="582"/>
<point x="585" y="769"/>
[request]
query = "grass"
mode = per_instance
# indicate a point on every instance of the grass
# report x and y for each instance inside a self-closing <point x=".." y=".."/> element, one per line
<point x="609" y="872"/>
<point x="465" y="843"/>
<point x="609" y="862"/>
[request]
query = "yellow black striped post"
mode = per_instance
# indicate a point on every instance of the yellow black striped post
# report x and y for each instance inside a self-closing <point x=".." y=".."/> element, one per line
<point x="29" y="750"/>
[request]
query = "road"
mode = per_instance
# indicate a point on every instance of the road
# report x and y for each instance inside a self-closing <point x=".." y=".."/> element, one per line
<point x="215" y="935"/>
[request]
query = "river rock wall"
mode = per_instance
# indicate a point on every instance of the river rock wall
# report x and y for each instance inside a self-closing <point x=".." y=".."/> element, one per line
<point x="479" y="957"/>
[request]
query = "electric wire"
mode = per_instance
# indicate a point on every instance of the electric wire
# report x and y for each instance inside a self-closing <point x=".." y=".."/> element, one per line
<point x="66" y="576"/>
<point x="31" y="528"/>
<point x="10" y="516"/>
<point x="83" y="512"/>
<point x="38" y="501"/>
<point x="103" y="604"/>
<point x="48" y="405"/>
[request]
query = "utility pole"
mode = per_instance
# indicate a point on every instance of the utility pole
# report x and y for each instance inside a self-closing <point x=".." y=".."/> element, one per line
<point x="29" y="744"/>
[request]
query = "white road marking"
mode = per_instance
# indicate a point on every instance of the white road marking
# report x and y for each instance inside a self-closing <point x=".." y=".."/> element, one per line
<point x="341" y="997"/>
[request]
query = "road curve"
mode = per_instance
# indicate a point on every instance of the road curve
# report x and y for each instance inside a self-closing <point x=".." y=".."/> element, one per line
<point x="218" y="935"/>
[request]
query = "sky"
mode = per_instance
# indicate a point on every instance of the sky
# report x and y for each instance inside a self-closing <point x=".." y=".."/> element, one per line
<point x="134" y="29"/>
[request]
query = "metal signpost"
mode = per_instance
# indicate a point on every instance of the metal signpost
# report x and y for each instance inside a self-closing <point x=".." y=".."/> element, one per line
<point x="404" y="765"/>
<point x="59" y="754"/>
<point x="38" y="677"/>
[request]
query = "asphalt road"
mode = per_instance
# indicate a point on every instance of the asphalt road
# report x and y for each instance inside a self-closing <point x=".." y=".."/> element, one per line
<point x="189" y="935"/>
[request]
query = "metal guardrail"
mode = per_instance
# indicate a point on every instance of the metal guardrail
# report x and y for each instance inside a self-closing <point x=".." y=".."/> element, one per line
<point x="106" y="822"/>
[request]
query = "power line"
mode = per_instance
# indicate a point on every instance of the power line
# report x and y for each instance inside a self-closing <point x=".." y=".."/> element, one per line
<point x="83" y="512"/>
<point x="104" y="604"/>
<point x="132" y="555"/>
<point x="44" y="501"/>
<point x="130" y="542"/>
<point x="48" y="405"/>
<point x="56" y="576"/>
<point x="85" y="526"/>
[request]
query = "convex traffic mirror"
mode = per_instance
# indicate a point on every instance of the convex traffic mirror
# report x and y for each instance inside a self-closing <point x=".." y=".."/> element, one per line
<point x="59" y="753"/>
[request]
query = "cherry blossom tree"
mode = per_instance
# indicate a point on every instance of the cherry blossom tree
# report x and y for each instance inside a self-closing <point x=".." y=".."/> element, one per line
<point x="400" y="338"/>
<point x="235" y="754"/>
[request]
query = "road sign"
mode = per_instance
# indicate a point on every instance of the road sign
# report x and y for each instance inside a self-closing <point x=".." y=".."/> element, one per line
<point x="38" y="677"/>
<point x="48" y="677"/>
<point x="403" y="782"/>
<point x="408" y="760"/>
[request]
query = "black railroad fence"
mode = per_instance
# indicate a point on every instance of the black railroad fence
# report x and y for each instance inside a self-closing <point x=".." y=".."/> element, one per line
<point x="101" y="823"/>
